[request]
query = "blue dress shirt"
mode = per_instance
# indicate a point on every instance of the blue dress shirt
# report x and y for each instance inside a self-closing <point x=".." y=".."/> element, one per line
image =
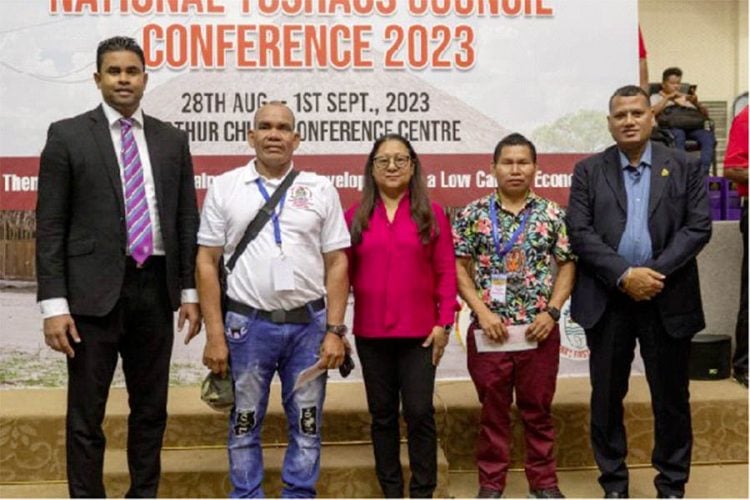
<point x="635" y="244"/>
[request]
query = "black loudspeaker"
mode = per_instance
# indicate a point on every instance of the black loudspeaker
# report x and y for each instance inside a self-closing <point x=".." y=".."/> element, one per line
<point x="710" y="357"/>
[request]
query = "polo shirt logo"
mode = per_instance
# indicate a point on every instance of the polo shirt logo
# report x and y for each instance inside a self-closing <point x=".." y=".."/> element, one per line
<point x="300" y="197"/>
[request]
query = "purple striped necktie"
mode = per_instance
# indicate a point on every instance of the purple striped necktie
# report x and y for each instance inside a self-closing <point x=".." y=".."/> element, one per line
<point x="137" y="218"/>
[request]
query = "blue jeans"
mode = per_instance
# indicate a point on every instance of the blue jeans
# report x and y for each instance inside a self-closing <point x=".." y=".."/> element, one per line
<point x="257" y="349"/>
<point x="705" y="139"/>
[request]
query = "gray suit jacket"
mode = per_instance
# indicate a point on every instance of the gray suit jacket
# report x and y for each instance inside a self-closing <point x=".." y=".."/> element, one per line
<point x="81" y="233"/>
<point x="679" y="224"/>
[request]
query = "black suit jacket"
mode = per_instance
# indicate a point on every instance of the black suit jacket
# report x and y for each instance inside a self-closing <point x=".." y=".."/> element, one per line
<point x="81" y="233"/>
<point x="679" y="224"/>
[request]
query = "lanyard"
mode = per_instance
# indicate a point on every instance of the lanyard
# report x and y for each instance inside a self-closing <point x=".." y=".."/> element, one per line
<point x="501" y="252"/>
<point x="275" y="215"/>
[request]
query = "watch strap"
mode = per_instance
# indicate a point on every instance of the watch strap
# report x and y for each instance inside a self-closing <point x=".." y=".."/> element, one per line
<point x="339" y="330"/>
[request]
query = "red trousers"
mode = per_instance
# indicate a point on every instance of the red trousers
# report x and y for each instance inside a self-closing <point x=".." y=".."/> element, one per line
<point x="533" y="374"/>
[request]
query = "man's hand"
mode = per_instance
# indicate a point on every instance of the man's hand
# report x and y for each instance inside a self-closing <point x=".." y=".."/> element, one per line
<point x="216" y="354"/>
<point x="541" y="327"/>
<point x="332" y="351"/>
<point x="191" y="313"/>
<point x="642" y="283"/>
<point x="56" y="331"/>
<point x="438" y="338"/>
<point x="492" y="326"/>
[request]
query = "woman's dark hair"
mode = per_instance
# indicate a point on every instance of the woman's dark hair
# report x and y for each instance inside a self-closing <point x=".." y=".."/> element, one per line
<point x="421" y="208"/>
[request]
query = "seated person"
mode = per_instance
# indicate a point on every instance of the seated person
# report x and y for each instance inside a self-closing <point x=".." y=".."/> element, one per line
<point x="670" y="102"/>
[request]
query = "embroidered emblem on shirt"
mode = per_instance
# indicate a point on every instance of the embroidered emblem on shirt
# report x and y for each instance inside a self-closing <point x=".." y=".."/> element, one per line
<point x="299" y="197"/>
<point x="308" y="422"/>
<point x="515" y="261"/>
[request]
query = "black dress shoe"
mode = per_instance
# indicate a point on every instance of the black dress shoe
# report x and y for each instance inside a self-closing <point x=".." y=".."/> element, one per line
<point x="659" y="494"/>
<point x="741" y="378"/>
<point x="616" y="494"/>
<point x="553" y="492"/>
<point x="489" y="493"/>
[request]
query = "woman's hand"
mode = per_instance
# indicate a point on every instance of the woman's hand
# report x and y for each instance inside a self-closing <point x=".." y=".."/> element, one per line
<point x="438" y="338"/>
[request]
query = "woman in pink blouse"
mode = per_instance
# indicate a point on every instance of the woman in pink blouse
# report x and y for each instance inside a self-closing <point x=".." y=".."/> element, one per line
<point x="403" y="273"/>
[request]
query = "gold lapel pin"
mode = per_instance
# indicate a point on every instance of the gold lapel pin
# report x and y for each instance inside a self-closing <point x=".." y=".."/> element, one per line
<point x="664" y="172"/>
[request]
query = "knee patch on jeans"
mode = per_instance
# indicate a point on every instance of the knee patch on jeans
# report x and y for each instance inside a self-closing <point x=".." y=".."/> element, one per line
<point x="244" y="423"/>
<point x="308" y="420"/>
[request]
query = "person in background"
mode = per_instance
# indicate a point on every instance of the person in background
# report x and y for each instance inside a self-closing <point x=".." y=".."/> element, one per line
<point x="116" y="224"/>
<point x="735" y="169"/>
<point x="506" y="244"/>
<point x="671" y="100"/>
<point x="403" y="275"/>
<point x="638" y="217"/>
<point x="286" y="300"/>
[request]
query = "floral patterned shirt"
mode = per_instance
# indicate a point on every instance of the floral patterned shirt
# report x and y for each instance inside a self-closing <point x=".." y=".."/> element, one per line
<point x="528" y="265"/>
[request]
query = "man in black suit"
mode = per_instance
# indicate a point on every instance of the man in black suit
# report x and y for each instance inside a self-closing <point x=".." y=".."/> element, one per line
<point x="116" y="243"/>
<point x="638" y="216"/>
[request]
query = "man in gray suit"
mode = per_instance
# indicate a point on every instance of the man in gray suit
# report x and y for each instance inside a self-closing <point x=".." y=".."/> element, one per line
<point x="116" y="243"/>
<point x="638" y="216"/>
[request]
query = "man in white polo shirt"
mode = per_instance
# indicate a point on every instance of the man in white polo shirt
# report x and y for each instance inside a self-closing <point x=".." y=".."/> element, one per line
<point x="277" y="319"/>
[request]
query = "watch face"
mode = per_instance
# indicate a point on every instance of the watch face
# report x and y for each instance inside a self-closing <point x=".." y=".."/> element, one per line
<point x="554" y="312"/>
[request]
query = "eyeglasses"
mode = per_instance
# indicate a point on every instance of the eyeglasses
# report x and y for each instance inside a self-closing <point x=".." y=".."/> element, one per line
<point x="383" y="162"/>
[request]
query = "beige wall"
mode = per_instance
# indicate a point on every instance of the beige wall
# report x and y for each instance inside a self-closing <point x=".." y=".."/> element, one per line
<point x="706" y="38"/>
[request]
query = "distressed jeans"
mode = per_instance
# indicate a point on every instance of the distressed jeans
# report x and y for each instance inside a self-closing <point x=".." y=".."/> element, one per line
<point x="258" y="349"/>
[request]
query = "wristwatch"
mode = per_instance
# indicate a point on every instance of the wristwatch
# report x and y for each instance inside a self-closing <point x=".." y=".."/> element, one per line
<point x="339" y="330"/>
<point x="554" y="313"/>
<point x="448" y="328"/>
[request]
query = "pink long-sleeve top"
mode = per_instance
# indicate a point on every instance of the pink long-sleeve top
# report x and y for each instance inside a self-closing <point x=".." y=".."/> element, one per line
<point x="402" y="287"/>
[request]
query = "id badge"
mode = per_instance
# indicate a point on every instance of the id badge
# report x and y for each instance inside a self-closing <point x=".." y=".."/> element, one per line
<point x="499" y="287"/>
<point x="282" y="271"/>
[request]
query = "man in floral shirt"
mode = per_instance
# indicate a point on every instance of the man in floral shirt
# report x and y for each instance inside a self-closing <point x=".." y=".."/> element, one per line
<point x="505" y="246"/>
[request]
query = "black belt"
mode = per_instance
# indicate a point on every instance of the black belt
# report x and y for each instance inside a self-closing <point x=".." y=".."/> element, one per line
<point x="299" y="315"/>
<point x="152" y="261"/>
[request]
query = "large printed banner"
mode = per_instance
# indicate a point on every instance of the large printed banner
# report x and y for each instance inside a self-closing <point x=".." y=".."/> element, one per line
<point x="454" y="76"/>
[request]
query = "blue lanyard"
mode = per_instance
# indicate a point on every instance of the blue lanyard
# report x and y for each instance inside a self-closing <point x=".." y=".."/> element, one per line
<point x="502" y="252"/>
<point x="275" y="215"/>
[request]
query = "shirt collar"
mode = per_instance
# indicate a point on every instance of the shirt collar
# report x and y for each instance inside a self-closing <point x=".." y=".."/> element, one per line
<point x="113" y="116"/>
<point x="405" y="201"/>
<point x="531" y="197"/>
<point x="645" y="157"/>
<point x="250" y="174"/>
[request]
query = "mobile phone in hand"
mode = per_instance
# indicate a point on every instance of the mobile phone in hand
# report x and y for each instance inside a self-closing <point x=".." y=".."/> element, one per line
<point x="347" y="366"/>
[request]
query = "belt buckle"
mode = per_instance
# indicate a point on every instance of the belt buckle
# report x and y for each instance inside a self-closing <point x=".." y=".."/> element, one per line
<point x="278" y="316"/>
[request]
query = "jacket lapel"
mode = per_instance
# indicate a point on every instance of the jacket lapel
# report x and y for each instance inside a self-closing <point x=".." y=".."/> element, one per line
<point x="102" y="136"/>
<point x="661" y="169"/>
<point x="613" y="175"/>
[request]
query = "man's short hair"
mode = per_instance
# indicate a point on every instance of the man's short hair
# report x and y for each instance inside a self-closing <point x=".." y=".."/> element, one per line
<point x="628" y="91"/>
<point x="116" y="44"/>
<point x="673" y="71"/>
<point x="514" y="139"/>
